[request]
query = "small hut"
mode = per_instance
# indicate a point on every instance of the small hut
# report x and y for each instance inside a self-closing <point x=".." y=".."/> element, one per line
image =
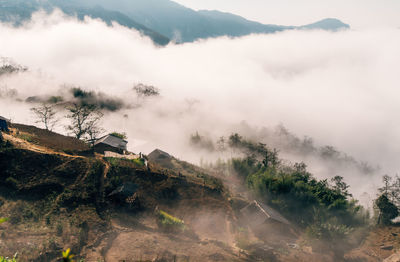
<point x="258" y="214"/>
<point x="4" y="124"/>
<point x="266" y="222"/>
<point x="110" y="143"/>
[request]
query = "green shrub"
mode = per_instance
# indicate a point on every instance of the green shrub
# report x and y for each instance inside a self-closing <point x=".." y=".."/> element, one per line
<point x="169" y="223"/>
<point x="113" y="161"/>
<point x="138" y="161"/>
<point x="387" y="210"/>
<point x="25" y="137"/>
<point x="328" y="231"/>
<point x="6" y="259"/>
<point x="119" y="135"/>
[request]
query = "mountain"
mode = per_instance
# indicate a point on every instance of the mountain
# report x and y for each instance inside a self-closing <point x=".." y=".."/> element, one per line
<point x="18" y="11"/>
<point x="158" y="19"/>
<point x="186" y="25"/>
<point x="331" y="24"/>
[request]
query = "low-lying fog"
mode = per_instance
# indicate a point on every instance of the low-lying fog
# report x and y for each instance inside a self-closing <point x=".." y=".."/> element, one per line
<point x="339" y="88"/>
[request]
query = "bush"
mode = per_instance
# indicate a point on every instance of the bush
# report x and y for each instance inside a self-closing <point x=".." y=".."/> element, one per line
<point x="6" y="259"/>
<point x="169" y="223"/>
<point x="113" y="161"/>
<point x="387" y="210"/>
<point x="328" y="231"/>
<point x="138" y="161"/>
<point x="26" y="137"/>
<point x="119" y="135"/>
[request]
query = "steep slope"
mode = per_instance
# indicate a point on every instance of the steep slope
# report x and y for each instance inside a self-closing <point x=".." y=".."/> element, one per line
<point x="157" y="18"/>
<point x="56" y="201"/>
<point x="16" y="12"/>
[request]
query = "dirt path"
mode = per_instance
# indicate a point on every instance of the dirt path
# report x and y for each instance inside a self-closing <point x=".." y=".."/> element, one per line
<point x="23" y="144"/>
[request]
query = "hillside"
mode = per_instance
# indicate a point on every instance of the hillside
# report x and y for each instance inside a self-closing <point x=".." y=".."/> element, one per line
<point x="57" y="200"/>
<point x="186" y="25"/>
<point x="58" y="194"/>
<point x="17" y="12"/>
<point x="161" y="20"/>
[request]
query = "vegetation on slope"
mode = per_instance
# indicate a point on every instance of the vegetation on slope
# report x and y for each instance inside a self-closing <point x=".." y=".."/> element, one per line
<point x="324" y="209"/>
<point x="169" y="223"/>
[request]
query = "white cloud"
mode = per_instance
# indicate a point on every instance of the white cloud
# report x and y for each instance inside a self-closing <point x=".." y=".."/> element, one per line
<point x="340" y="88"/>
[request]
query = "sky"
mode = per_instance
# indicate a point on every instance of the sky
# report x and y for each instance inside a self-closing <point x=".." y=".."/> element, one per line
<point x="358" y="13"/>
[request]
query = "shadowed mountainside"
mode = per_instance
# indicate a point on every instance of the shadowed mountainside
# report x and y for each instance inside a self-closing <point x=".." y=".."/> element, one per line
<point x="160" y="20"/>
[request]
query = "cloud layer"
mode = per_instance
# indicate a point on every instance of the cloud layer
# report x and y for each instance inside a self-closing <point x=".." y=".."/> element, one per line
<point x="339" y="88"/>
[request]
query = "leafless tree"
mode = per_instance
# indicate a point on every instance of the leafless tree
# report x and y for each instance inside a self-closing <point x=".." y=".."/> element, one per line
<point x="84" y="120"/>
<point x="46" y="114"/>
<point x="93" y="132"/>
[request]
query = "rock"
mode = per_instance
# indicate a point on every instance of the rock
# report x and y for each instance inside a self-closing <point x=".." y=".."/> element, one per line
<point x="394" y="234"/>
<point x="388" y="247"/>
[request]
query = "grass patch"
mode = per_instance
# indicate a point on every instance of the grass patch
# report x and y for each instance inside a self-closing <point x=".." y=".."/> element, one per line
<point x="169" y="223"/>
<point x="113" y="161"/>
<point x="138" y="162"/>
<point x="26" y="137"/>
<point x="6" y="259"/>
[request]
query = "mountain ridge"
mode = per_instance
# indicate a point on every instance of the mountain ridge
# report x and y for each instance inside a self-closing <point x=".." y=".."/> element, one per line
<point x="161" y="20"/>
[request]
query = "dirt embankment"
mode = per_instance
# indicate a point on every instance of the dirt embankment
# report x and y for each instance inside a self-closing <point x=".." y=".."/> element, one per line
<point x="50" y="139"/>
<point x="55" y="201"/>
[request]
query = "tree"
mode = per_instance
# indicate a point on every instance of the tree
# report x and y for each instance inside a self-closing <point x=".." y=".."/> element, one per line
<point x="45" y="114"/>
<point x="235" y="140"/>
<point x="387" y="210"/>
<point x="84" y="120"/>
<point x="386" y="187"/>
<point x="221" y="144"/>
<point x="271" y="158"/>
<point x="340" y="186"/>
<point x="93" y="131"/>
<point x="391" y="188"/>
<point x="146" y="91"/>
<point x="394" y="194"/>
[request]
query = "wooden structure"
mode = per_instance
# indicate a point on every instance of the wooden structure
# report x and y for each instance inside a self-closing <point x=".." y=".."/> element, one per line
<point x="110" y="143"/>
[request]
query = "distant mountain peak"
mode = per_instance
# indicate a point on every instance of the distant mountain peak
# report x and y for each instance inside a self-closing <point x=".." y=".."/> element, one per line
<point x="331" y="24"/>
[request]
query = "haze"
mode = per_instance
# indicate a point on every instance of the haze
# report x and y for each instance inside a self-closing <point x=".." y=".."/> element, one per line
<point x="359" y="13"/>
<point x="339" y="88"/>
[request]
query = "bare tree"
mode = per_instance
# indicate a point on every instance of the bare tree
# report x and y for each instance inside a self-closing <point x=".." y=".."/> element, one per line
<point x="385" y="190"/>
<point x="45" y="114"/>
<point x="94" y="131"/>
<point x="84" y="120"/>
